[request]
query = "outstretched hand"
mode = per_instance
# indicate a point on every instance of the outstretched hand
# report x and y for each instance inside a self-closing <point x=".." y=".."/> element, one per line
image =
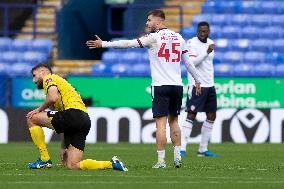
<point x="94" y="44"/>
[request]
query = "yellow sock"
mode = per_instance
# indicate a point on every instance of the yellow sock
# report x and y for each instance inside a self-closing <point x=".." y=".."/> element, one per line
<point x="38" y="139"/>
<point x="90" y="164"/>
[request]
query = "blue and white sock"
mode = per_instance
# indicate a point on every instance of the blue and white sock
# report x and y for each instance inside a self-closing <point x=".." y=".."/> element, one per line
<point x="185" y="133"/>
<point x="206" y="131"/>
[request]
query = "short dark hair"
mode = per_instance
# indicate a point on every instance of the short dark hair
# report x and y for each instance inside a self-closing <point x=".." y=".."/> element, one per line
<point x="41" y="66"/>
<point x="203" y="24"/>
<point x="158" y="13"/>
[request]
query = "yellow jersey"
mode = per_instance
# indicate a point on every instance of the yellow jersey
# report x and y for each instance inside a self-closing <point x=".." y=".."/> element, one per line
<point x="68" y="97"/>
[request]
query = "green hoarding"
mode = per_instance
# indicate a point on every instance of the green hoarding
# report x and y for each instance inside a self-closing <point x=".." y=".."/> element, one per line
<point x="114" y="92"/>
<point x="136" y="92"/>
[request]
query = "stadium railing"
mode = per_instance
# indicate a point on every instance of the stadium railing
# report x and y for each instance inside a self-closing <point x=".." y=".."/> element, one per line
<point x="6" y="8"/>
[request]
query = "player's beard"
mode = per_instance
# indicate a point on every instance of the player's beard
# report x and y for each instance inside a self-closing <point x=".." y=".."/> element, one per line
<point x="39" y="84"/>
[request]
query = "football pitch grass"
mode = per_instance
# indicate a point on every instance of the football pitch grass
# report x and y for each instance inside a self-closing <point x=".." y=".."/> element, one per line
<point x="253" y="166"/>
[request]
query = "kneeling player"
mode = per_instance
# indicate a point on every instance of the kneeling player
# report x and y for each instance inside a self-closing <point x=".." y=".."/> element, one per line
<point x="70" y="118"/>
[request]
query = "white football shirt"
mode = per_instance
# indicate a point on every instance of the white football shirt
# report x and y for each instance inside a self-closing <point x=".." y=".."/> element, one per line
<point x="165" y="56"/>
<point x="203" y="62"/>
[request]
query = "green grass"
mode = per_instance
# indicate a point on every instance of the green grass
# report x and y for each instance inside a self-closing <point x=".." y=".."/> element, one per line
<point x="240" y="166"/>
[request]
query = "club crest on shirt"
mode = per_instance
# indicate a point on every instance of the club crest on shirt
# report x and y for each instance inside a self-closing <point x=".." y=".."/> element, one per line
<point x="192" y="107"/>
<point x="47" y="81"/>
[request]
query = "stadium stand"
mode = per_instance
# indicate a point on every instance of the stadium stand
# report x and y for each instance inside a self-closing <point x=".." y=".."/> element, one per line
<point x="248" y="36"/>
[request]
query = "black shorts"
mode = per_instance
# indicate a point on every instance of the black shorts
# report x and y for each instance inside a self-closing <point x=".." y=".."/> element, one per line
<point x="166" y="100"/>
<point x="206" y="102"/>
<point x="75" y="124"/>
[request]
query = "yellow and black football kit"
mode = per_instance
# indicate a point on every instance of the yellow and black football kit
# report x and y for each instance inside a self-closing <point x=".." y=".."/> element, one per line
<point x="70" y="117"/>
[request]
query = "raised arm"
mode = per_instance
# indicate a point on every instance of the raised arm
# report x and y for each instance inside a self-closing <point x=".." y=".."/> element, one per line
<point x="141" y="42"/>
<point x="197" y="58"/>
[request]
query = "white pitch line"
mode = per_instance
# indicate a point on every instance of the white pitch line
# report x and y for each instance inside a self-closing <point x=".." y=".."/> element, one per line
<point x="7" y="163"/>
<point x="249" y="179"/>
<point x="142" y="182"/>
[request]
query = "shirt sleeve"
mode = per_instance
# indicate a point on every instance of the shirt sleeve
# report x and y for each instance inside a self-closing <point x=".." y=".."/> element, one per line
<point x="195" y="57"/>
<point x="141" y="42"/>
<point x="48" y="82"/>
<point x="189" y="65"/>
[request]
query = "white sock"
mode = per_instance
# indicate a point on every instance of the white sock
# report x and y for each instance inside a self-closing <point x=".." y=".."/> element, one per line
<point x="206" y="131"/>
<point x="161" y="155"/>
<point x="185" y="133"/>
<point x="177" y="152"/>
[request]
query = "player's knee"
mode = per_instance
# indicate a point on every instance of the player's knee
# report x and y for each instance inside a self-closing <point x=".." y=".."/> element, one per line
<point x="211" y="116"/>
<point x="175" y="130"/>
<point x="191" y="115"/>
<point x="30" y="122"/>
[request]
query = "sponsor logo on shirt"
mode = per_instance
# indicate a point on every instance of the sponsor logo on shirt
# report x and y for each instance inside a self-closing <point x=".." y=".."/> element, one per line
<point x="47" y="81"/>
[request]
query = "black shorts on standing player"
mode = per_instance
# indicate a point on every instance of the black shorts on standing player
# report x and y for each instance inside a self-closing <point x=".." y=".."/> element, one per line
<point x="166" y="100"/>
<point x="75" y="124"/>
<point x="206" y="102"/>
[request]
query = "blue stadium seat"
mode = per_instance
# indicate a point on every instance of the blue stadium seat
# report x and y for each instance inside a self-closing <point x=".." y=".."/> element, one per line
<point x="218" y="57"/>
<point x="5" y="44"/>
<point x="20" y="69"/>
<point x="11" y="56"/>
<point x="144" y="58"/>
<point x="140" y="69"/>
<point x="220" y="19"/>
<point x="101" y="70"/>
<point x="221" y="45"/>
<point x="188" y="32"/>
<point x="280" y="5"/>
<point x="264" y="70"/>
<point x="201" y="17"/>
<point x="262" y="20"/>
<point x="209" y="7"/>
<point x="110" y="57"/>
<point x="228" y="7"/>
<point x="279" y="70"/>
<point x="278" y="45"/>
<point x="269" y="7"/>
<point x="34" y="57"/>
<point x="121" y="69"/>
<point x="254" y="57"/>
<point x="215" y="32"/>
<point x="240" y="19"/>
<point x="239" y="45"/>
<point x="233" y="57"/>
<point x="276" y="58"/>
<point x="250" y="32"/>
<point x="272" y="32"/>
<point x="263" y="45"/>
<point x="223" y="70"/>
<point x="21" y="45"/>
<point x="3" y="68"/>
<point x="243" y="70"/>
<point x="129" y="57"/>
<point x="249" y="7"/>
<point x="278" y="20"/>
<point x="42" y="45"/>
<point x="231" y="32"/>
<point x="137" y="50"/>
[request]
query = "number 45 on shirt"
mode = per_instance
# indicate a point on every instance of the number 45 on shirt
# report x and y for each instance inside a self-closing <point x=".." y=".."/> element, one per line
<point x="168" y="53"/>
